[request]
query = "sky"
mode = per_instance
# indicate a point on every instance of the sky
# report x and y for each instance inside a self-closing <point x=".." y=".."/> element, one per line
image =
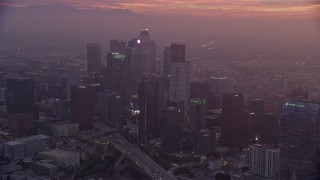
<point x="227" y="8"/>
<point x="275" y="21"/>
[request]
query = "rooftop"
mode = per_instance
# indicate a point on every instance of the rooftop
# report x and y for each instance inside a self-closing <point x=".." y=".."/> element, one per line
<point x="27" y="139"/>
<point x="45" y="164"/>
<point x="68" y="125"/>
<point x="57" y="152"/>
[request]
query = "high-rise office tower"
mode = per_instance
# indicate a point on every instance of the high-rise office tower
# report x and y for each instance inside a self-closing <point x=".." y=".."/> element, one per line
<point x="82" y="106"/>
<point x="179" y="88"/>
<point x="204" y="142"/>
<point x="117" y="46"/>
<point x="151" y="103"/>
<point x="115" y="72"/>
<point x="20" y="105"/>
<point x="56" y="87"/>
<point x="166" y="69"/>
<point x="258" y="108"/>
<point x="179" y="105"/>
<point x="110" y="107"/>
<point x="197" y="112"/>
<point x="63" y="109"/>
<point x="132" y="72"/>
<point x="171" y="128"/>
<point x="247" y="127"/>
<point x="198" y="105"/>
<point x="218" y="84"/>
<point x="264" y="161"/>
<point x="214" y="100"/>
<point x="73" y="78"/>
<point x="166" y="61"/>
<point x="199" y="90"/>
<point x="147" y="49"/>
<point x="95" y="79"/>
<point x="2" y="79"/>
<point x="232" y="119"/>
<point x="299" y="139"/>
<point x="140" y="60"/>
<point x="178" y="53"/>
<point x="93" y="57"/>
<point x="271" y="129"/>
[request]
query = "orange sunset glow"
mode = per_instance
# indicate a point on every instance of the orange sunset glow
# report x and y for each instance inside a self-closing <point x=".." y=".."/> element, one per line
<point x="286" y="8"/>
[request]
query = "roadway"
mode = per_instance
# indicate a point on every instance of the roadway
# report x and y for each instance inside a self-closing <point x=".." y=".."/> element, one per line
<point x="139" y="158"/>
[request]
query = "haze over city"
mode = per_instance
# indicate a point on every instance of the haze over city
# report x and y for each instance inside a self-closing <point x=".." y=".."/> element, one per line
<point x="160" y="89"/>
<point x="283" y="22"/>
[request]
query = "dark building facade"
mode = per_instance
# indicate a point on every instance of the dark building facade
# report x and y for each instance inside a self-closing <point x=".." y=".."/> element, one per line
<point x="166" y="61"/>
<point x="299" y="139"/>
<point x="178" y="53"/>
<point x="199" y="90"/>
<point x="110" y="107"/>
<point x="147" y="49"/>
<point x="179" y="88"/>
<point x="116" y="72"/>
<point x="151" y="103"/>
<point x="204" y="142"/>
<point x="258" y="108"/>
<point x="20" y="105"/>
<point x="198" y="105"/>
<point x="232" y="119"/>
<point x="214" y="100"/>
<point x="82" y="106"/>
<point x="140" y="60"/>
<point x="176" y="104"/>
<point x="93" y="57"/>
<point x="132" y="73"/>
<point x="271" y="129"/>
<point x="171" y="128"/>
<point x="2" y="79"/>
<point x="197" y="112"/>
<point x="117" y="46"/>
<point x="97" y="79"/>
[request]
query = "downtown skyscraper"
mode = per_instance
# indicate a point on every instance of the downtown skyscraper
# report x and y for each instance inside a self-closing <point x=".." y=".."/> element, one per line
<point x="151" y="103"/>
<point x="140" y="59"/>
<point x="179" y="89"/>
<point x="20" y="105"/>
<point x="299" y="139"/>
<point x="82" y="106"/>
<point x="93" y="58"/>
<point x="117" y="46"/>
<point x="232" y="130"/>
<point x="148" y="52"/>
<point x="115" y="72"/>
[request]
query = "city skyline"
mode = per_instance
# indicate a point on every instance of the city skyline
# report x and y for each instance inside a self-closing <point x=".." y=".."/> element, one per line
<point x="159" y="89"/>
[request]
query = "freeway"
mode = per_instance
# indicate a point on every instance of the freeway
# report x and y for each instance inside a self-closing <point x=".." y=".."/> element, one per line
<point x="140" y="159"/>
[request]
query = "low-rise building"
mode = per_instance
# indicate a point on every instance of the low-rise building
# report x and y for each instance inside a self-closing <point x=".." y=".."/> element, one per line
<point x="61" y="157"/>
<point x="65" y="130"/>
<point x="44" y="168"/>
<point x="25" y="147"/>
